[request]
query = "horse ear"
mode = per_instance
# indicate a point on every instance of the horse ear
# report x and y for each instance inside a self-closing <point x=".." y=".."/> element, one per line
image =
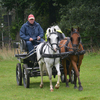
<point x="54" y="30"/>
<point x="72" y="29"/>
<point x="71" y="39"/>
<point x="49" y="30"/>
<point x="78" y="28"/>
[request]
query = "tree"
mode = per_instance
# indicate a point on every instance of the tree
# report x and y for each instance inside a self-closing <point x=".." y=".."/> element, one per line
<point x="48" y="8"/>
<point x="84" y="14"/>
<point x="45" y="9"/>
<point x="19" y="6"/>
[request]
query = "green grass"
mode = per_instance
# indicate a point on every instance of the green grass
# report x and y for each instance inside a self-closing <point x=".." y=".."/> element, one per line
<point x="89" y="75"/>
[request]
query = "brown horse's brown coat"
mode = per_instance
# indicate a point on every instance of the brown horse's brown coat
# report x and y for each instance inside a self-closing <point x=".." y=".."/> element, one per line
<point x="62" y="47"/>
<point x="73" y="58"/>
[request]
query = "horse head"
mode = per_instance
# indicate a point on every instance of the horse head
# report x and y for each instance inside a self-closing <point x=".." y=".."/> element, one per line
<point x="53" y="40"/>
<point x="75" y="38"/>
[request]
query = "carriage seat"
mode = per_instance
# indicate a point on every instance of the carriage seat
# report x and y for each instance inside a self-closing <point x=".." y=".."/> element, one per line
<point x="23" y="46"/>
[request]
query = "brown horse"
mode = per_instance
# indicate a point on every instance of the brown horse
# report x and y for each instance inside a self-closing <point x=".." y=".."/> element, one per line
<point x="73" y="45"/>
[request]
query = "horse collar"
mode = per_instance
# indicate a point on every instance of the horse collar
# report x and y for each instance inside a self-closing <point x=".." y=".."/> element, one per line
<point x="41" y="50"/>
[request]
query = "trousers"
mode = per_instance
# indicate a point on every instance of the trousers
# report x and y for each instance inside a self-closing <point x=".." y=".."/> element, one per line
<point x="30" y="44"/>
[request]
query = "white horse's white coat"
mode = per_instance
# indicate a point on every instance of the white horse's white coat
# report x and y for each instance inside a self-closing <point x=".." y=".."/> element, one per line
<point x="52" y="29"/>
<point x="48" y="62"/>
<point x="56" y="27"/>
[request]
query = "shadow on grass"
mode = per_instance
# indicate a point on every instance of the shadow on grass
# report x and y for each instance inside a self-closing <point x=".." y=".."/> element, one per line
<point x="45" y="84"/>
<point x="88" y="98"/>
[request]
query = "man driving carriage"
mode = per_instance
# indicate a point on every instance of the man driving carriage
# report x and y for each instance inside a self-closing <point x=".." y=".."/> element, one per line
<point x="30" y="32"/>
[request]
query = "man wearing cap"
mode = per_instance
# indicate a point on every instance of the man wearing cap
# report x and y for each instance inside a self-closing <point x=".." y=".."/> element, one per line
<point x="31" y="31"/>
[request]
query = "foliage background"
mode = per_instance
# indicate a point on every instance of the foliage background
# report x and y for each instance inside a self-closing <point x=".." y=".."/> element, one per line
<point x="66" y="13"/>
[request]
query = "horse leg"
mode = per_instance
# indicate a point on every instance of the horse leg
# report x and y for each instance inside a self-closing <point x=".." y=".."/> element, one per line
<point x="58" y="73"/>
<point x="80" y="86"/>
<point x="75" y="80"/>
<point x="49" y="69"/>
<point x="70" y="68"/>
<point x="65" y="71"/>
<point x="41" y="73"/>
<point x="77" y="75"/>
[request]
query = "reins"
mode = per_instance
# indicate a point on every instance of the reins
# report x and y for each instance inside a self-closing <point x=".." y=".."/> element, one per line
<point x="67" y="47"/>
<point x="74" y="49"/>
<point x="52" y="47"/>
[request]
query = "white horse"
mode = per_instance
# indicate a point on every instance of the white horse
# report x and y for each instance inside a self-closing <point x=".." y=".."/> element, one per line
<point x="49" y="48"/>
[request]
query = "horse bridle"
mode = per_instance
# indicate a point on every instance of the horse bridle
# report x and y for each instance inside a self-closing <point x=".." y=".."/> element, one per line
<point x="75" y="45"/>
<point x="51" y="44"/>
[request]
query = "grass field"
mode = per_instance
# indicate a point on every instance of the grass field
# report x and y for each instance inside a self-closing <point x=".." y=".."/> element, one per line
<point x="89" y="75"/>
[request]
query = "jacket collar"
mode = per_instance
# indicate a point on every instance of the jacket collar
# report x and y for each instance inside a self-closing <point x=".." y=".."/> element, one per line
<point x="28" y="24"/>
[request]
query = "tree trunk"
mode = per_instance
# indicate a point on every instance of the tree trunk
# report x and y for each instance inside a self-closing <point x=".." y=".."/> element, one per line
<point x="20" y="15"/>
<point x="52" y="14"/>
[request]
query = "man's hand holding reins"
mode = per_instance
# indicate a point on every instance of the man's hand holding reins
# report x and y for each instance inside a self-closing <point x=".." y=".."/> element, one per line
<point x="31" y="39"/>
<point x="38" y="38"/>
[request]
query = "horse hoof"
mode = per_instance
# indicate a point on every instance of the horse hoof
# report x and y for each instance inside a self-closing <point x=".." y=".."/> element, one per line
<point x="41" y="85"/>
<point x="51" y="90"/>
<point x="75" y="87"/>
<point x="57" y="87"/>
<point x="80" y="88"/>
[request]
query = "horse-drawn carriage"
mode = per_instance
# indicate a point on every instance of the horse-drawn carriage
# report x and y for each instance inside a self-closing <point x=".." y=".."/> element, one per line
<point x="29" y="66"/>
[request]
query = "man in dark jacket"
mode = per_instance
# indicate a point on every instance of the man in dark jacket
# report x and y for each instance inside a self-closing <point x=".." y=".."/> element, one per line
<point x="30" y="32"/>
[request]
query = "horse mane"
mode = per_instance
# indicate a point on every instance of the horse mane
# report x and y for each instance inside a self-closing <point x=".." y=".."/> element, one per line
<point x="55" y="28"/>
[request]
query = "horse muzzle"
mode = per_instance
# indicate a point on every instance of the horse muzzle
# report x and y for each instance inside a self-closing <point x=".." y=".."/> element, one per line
<point x="55" y="47"/>
<point x="55" y="50"/>
<point x="75" y="45"/>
